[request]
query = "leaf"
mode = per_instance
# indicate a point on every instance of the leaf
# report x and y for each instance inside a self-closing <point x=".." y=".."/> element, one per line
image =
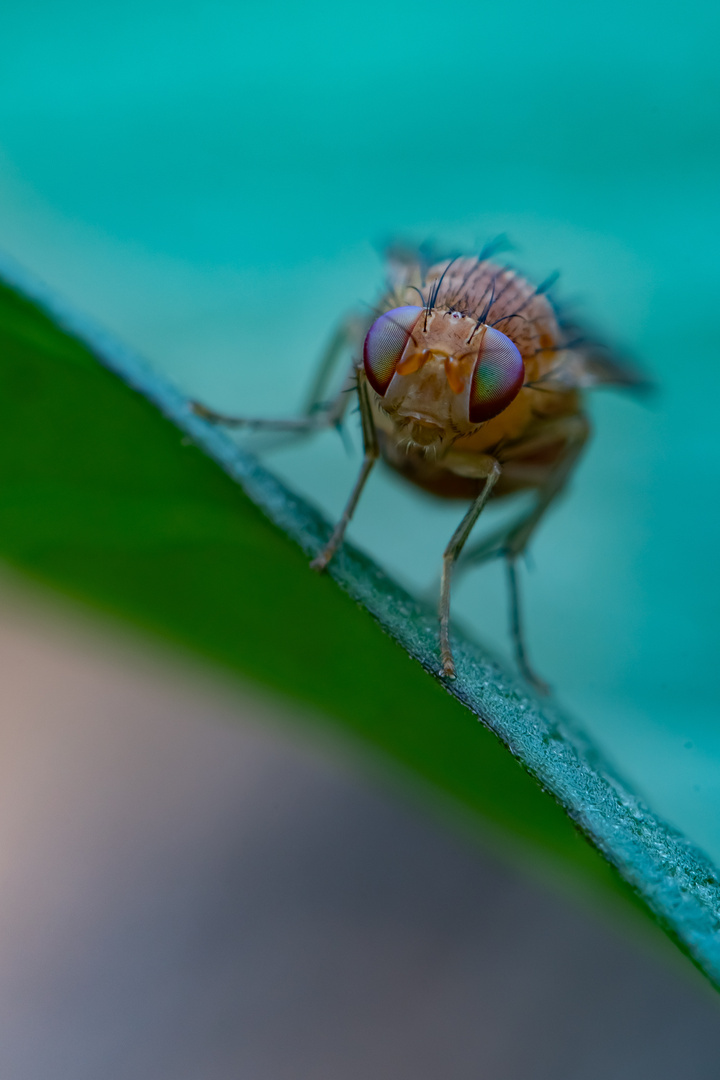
<point x="103" y="496"/>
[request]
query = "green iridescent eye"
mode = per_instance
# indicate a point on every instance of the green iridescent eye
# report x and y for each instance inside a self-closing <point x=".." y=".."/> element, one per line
<point x="498" y="376"/>
<point x="385" y="343"/>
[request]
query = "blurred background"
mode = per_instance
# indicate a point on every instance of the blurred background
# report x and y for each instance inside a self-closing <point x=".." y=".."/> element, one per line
<point x="183" y="173"/>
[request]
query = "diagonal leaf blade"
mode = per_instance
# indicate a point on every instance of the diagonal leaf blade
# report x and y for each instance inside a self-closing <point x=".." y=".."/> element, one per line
<point x="104" y="497"/>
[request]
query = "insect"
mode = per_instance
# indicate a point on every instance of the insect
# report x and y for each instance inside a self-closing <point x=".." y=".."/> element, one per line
<point x="470" y="386"/>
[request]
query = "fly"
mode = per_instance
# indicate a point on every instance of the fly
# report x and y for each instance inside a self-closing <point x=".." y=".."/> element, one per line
<point x="470" y="386"/>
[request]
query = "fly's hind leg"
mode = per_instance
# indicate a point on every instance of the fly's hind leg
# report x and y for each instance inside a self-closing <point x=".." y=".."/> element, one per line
<point x="317" y="413"/>
<point x="517" y="632"/>
<point x="512" y="542"/>
<point x="490" y="469"/>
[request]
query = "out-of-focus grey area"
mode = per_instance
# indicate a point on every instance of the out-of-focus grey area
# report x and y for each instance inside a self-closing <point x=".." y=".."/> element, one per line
<point x="190" y="889"/>
<point x="211" y="179"/>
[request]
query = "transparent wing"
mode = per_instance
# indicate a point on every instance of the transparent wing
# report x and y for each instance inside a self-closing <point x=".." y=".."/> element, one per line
<point x="601" y="367"/>
<point x="405" y="254"/>
<point x="409" y="262"/>
<point x="585" y="362"/>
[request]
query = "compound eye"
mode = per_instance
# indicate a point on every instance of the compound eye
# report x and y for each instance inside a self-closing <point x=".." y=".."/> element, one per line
<point x="385" y="343"/>
<point x="498" y="376"/>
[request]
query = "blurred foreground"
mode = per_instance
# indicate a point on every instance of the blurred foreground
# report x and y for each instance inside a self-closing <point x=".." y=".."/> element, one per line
<point x="189" y="892"/>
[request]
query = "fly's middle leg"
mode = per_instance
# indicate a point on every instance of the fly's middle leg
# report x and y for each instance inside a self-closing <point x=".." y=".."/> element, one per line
<point x="490" y="469"/>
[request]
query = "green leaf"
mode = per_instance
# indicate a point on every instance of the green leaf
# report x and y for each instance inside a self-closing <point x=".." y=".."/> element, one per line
<point x="104" y="496"/>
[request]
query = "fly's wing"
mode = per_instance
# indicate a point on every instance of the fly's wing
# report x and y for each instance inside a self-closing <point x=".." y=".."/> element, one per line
<point x="404" y="255"/>
<point x="584" y="362"/>
<point x="408" y="263"/>
<point x="602" y="367"/>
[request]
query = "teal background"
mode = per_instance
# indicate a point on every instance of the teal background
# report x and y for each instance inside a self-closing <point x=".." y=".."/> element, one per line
<point x="212" y="181"/>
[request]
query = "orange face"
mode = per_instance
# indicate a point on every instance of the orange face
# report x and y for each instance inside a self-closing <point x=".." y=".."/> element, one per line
<point x="440" y="374"/>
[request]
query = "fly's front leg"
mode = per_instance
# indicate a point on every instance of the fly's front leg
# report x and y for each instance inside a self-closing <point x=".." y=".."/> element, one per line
<point x="512" y="540"/>
<point x="317" y="413"/>
<point x="372" y="451"/>
<point x="491" y="469"/>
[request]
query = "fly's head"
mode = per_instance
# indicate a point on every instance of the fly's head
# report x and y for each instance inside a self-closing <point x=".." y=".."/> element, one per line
<point x="440" y="374"/>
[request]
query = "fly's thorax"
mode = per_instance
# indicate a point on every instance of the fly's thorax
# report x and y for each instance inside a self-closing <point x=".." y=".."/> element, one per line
<point x="478" y="287"/>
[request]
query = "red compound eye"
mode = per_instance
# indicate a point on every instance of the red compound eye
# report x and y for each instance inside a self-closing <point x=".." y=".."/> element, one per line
<point x="498" y="376"/>
<point x="385" y="343"/>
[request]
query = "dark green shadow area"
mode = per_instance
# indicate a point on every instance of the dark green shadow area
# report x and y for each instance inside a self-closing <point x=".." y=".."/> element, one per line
<point x="99" y="495"/>
<point x="104" y="498"/>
